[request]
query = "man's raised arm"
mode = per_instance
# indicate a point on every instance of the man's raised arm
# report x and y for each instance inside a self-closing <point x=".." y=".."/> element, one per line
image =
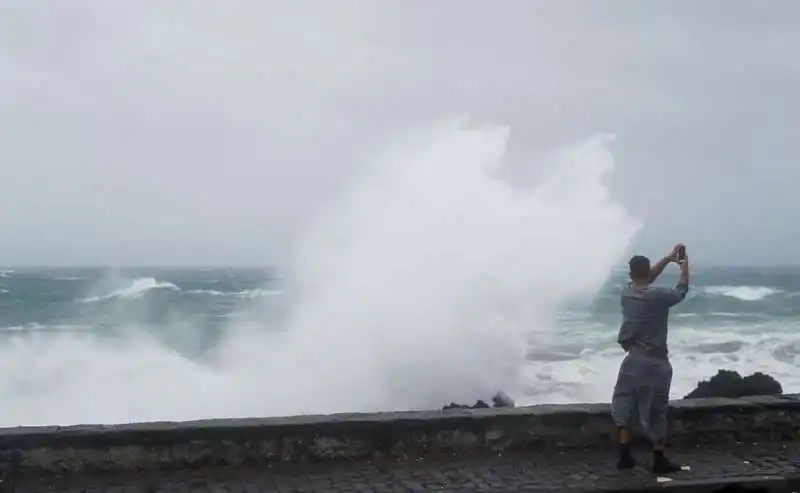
<point x="675" y="295"/>
<point x="659" y="266"/>
<point x="683" y="279"/>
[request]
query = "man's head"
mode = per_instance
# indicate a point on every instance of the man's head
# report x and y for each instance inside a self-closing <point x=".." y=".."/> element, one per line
<point x="639" y="266"/>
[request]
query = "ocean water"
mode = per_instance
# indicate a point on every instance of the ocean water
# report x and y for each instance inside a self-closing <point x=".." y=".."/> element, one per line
<point x="430" y="279"/>
<point x="75" y="340"/>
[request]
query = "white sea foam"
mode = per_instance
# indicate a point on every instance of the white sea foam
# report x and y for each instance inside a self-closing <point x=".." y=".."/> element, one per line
<point x="425" y="283"/>
<point x="208" y="292"/>
<point x="134" y="289"/>
<point x="246" y="293"/>
<point x="696" y="354"/>
<point x="256" y="293"/>
<point x="37" y="327"/>
<point x="744" y="293"/>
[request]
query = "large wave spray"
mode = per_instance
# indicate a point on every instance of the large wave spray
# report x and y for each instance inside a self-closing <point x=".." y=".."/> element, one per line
<point x="424" y="284"/>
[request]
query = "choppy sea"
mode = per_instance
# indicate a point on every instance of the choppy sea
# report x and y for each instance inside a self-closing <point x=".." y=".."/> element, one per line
<point x="66" y="353"/>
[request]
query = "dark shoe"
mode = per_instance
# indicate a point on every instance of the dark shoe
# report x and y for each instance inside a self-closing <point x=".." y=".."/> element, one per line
<point x="662" y="465"/>
<point x="626" y="462"/>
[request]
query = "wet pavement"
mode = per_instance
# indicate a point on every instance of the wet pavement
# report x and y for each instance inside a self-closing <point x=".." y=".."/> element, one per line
<point x="747" y="467"/>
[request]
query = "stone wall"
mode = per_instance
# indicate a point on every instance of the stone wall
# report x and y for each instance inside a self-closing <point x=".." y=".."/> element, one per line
<point x="145" y="446"/>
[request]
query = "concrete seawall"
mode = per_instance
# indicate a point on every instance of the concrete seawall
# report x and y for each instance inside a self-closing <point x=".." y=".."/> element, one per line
<point x="404" y="435"/>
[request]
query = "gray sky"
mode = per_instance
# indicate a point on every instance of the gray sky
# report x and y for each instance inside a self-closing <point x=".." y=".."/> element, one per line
<point x="205" y="131"/>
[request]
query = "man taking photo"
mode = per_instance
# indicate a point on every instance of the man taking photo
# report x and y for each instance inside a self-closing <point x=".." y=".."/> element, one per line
<point x="641" y="394"/>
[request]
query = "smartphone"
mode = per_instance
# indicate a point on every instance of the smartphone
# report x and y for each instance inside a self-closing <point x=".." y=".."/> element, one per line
<point x="681" y="252"/>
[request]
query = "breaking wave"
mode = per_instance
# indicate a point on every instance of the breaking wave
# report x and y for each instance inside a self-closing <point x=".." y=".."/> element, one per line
<point x="136" y="289"/>
<point x="744" y="293"/>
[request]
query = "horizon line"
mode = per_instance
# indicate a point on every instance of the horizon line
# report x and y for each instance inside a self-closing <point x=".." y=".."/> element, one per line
<point x="274" y="266"/>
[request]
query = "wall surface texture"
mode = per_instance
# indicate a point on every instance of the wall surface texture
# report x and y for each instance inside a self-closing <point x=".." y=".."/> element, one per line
<point x="402" y="435"/>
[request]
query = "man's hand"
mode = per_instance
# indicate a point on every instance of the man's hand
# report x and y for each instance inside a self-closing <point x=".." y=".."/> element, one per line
<point x="683" y="277"/>
<point x="673" y="255"/>
<point x="659" y="266"/>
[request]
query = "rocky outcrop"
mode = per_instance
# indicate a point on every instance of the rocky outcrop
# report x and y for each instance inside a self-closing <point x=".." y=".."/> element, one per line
<point x="727" y="383"/>
<point x="501" y="399"/>
<point x="477" y="405"/>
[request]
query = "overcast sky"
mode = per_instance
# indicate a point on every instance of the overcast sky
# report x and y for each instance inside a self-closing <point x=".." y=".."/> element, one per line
<point x="202" y="131"/>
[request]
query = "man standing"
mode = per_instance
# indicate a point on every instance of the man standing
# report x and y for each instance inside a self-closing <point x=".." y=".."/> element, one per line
<point x="641" y="394"/>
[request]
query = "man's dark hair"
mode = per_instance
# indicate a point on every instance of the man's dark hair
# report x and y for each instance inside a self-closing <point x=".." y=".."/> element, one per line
<point x="640" y="267"/>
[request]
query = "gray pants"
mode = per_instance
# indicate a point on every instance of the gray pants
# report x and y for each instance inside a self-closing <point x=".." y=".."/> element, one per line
<point x="641" y="395"/>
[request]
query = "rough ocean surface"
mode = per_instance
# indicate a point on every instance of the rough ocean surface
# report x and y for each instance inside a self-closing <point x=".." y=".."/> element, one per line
<point x="100" y="345"/>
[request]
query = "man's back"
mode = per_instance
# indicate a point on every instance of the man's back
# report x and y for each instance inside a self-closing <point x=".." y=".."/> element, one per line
<point x="641" y="394"/>
<point x="645" y="311"/>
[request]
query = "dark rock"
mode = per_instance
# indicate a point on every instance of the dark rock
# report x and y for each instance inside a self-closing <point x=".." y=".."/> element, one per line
<point x="727" y="383"/>
<point x="478" y="405"/>
<point x="761" y="384"/>
<point x="501" y="399"/>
